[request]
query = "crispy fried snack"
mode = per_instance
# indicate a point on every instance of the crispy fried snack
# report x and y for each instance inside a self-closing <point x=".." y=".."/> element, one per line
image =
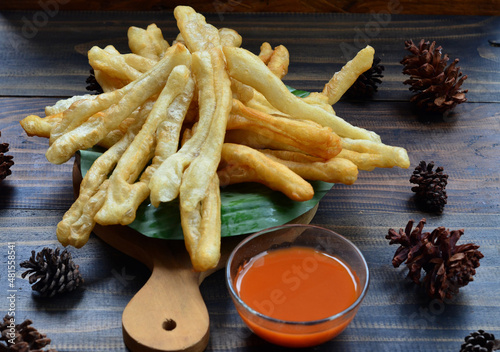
<point x="108" y="83"/>
<point x="196" y="32"/>
<point x="342" y="80"/>
<point x="381" y="155"/>
<point x="179" y="39"/>
<point x="320" y="100"/>
<point x="167" y="137"/>
<point x="304" y="135"/>
<point x="115" y="135"/>
<point x="166" y="180"/>
<point x="259" y="102"/>
<point x="279" y="61"/>
<point x="113" y="65"/>
<point x="34" y="125"/>
<point x="115" y="59"/>
<point x="241" y="91"/>
<point x="256" y="140"/>
<point x="147" y="42"/>
<point x="64" y="104"/>
<point x="77" y="223"/>
<point x="201" y="228"/>
<point x="229" y="37"/>
<point x="193" y="186"/>
<point x="249" y="69"/>
<point x="123" y="195"/>
<point x="101" y="123"/>
<point x="82" y="109"/>
<point x="335" y="170"/>
<point x="140" y="63"/>
<point x="266" y="51"/>
<point x="244" y="164"/>
<point x="366" y="155"/>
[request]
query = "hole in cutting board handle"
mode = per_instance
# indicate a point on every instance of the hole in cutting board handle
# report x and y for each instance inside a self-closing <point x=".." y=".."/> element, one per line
<point x="169" y="324"/>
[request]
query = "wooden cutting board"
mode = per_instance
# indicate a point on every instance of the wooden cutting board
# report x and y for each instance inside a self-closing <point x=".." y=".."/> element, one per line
<point x="168" y="313"/>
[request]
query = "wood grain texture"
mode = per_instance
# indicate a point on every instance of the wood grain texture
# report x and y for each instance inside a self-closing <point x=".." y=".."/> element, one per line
<point x="319" y="45"/>
<point x="395" y="315"/>
<point x="426" y="7"/>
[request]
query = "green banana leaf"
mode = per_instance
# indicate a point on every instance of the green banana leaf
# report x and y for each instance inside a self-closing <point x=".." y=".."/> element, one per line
<point x="245" y="208"/>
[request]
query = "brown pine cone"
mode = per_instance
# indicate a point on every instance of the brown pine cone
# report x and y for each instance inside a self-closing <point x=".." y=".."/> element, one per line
<point x="51" y="272"/>
<point x="430" y="192"/>
<point x="367" y="83"/>
<point x="92" y="84"/>
<point x="447" y="266"/>
<point x="437" y="86"/>
<point x="22" y="337"/>
<point x="480" y="341"/>
<point x="5" y="160"/>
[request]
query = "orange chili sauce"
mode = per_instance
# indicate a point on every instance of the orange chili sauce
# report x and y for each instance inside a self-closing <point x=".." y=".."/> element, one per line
<point x="297" y="284"/>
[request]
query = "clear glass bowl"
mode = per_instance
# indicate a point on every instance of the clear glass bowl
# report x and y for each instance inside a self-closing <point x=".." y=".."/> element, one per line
<point x="293" y="333"/>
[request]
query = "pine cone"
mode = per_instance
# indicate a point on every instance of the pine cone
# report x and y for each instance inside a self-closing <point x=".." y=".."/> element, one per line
<point x="437" y="86"/>
<point x="92" y="84"/>
<point x="447" y="266"/>
<point x="480" y="341"/>
<point x="431" y="187"/>
<point x="367" y="83"/>
<point x="22" y="337"/>
<point x="52" y="273"/>
<point x="5" y="160"/>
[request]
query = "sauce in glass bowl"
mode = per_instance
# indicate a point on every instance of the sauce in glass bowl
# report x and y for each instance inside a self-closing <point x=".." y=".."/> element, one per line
<point x="297" y="284"/>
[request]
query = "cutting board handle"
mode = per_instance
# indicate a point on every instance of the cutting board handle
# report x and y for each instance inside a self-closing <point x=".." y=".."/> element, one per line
<point x="168" y="314"/>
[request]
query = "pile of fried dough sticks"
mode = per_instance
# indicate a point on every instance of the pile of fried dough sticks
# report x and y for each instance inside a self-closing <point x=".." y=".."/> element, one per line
<point x="182" y="120"/>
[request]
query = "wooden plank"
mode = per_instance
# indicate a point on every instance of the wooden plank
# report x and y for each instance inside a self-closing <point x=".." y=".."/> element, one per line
<point x="425" y="7"/>
<point x="394" y="316"/>
<point x="319" y="45"/>
<point x="88" y="319"/>
<point x="34" y="183"/>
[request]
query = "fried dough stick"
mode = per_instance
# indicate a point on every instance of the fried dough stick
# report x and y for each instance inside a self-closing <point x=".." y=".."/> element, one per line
<point x="335" y="170"/>
<point x="366" y="155"/>
<point x="256" y="140"/>
<point x="113" y="65"/>
<point x="249" y="69"/>
<point x="147" y="42"/>
<point x="101" y="123"/>
<point x="245" y="164"/>
<point x="196" y="32"/>
<point x="229" y="37"/>
<point x="35" y="125"/>
<point x="201" y="228"/>
<point x="123" y="195"/>
<point x="193" y="186"/>
<point x="344" y="79"/>
<point x="380" y="155"/>
<point x="77" y="223"/>
<point x="81" y="110"/>
<point x="112" y="69"/>
<point x="241" y="91"/>
<point x="279" y="61"/>
<point x="64" y="104"/>
<point x="41" y="127"/>
<point x="305" y="135"/>
<point x="166" y="180"/>
<point x="266" y="51"/>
